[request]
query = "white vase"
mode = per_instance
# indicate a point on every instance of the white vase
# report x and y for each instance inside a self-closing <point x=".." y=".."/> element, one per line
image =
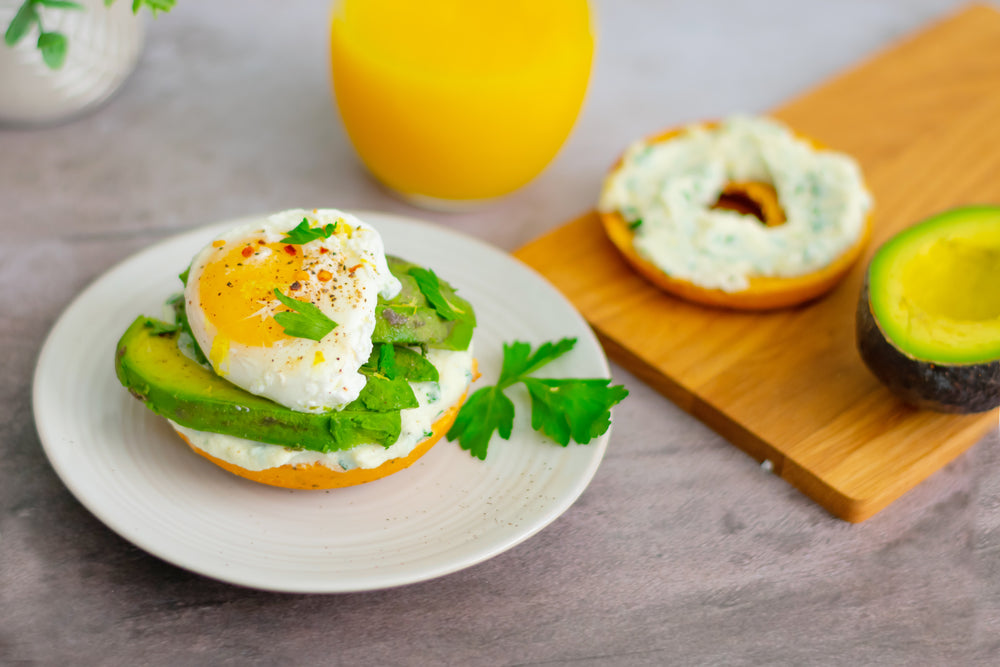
<point x="103" y="48"/>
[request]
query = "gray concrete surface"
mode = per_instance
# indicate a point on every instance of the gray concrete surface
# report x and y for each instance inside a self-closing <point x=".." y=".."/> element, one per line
<point x="682" y="551"/>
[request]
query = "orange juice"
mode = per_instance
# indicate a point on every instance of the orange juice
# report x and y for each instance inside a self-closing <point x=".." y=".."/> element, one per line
<point x="459" y="99"/>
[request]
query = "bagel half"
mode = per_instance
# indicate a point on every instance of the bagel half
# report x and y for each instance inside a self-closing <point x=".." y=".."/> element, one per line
<point x="318" y="476"/>
<point x="762" y="292"/>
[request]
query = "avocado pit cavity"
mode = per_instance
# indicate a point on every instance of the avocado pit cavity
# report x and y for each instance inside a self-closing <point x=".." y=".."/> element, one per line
<point x="928" y="318"/>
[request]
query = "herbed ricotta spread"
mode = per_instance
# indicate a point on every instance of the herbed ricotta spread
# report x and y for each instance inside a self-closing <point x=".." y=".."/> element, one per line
<point x="455" y="373"/>
<point x="671" y="186"/>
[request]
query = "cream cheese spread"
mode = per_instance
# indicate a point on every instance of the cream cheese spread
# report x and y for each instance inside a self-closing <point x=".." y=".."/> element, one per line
<point x="455" y="371"/>
<point x="671" y="186"/>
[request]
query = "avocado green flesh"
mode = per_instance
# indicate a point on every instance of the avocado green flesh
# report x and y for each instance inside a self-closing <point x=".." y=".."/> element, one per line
<point x="934" y="289"/>
<point x="174" y="386"/>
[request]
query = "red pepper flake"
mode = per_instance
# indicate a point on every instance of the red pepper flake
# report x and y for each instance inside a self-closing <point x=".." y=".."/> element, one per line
<point x="323" y="251"/>
<point x="261" y="242"/>
<point x="246" y="252"/>
<point x="355" y="268"/>
<point x="290" y="249"/>
<point x="296" y="286"/>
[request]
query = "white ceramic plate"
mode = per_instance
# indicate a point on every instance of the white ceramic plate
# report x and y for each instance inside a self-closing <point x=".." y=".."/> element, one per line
<point x="446" y="512"/>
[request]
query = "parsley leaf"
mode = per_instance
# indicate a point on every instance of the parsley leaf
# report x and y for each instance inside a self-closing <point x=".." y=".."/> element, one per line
<point x="406" y="364"/>
<point x="564" y="410"/>
<point x="430" y="286"/>
<point x="307" y="321"/>
<point x="303" y="233"/>
<point x="635" y="224"/>
<point x="159" y="327"/>
<point x="387" y="361"/>
<point x="486" y="411"/>
<point x="518" y="360"/>
<point x="577" y="409"/>
<point x="380" y="394"/>
<point x="180" y="316"/>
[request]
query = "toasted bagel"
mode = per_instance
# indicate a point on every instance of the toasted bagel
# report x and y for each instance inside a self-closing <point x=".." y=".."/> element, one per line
<point x="318" y="476"/>
<point x="762" y="292"/>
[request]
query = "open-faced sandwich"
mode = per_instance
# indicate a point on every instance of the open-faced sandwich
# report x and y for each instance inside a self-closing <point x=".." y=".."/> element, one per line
<point x="300" y="355"/>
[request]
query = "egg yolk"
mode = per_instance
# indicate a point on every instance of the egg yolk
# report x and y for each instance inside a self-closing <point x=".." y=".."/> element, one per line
<point x="236" y="289"/>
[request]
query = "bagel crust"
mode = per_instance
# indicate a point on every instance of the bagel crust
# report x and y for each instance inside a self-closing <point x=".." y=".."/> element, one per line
<point x="762" y="292"/>
<point x="319" y="476"/>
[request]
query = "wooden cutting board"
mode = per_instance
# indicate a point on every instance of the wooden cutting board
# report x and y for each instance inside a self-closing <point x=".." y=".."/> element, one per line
<point x="923" y="118"/>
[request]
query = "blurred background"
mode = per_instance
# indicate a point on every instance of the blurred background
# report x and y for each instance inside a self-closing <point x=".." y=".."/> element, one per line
<point x="230" y="112"/>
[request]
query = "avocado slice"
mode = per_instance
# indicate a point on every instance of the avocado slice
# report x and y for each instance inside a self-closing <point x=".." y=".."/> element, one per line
<point x="409" y="319"/>
<point x="928" y="317"/>
<point x="150" y="364"/>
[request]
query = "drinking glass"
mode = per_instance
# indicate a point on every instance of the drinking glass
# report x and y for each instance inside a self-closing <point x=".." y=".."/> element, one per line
<point x="453" y="102"/>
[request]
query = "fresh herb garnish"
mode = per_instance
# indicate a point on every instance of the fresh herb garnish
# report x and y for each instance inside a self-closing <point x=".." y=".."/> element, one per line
<point x="52" y="44"/>
<point x="380" y="394"/>
<point x="387" y="361"/>
<point x="303" y="233"/>
<point x="159" y="327"/>
<point x="307" y="321"/>
<point x="635" y="224"/>
<point x="402" y="363"/>
<point x="430" y="287"/>
<point x="410" y="319"/>
<point x="577" y="409"/>
<point x="180" y="316"/>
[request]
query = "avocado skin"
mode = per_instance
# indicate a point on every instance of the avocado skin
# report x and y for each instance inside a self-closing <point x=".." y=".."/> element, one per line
<point x="955" y="388"/>
<point x="170" y="384"/>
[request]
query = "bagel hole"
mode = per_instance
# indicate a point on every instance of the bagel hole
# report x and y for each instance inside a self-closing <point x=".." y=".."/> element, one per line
<point x="756" y="199"/>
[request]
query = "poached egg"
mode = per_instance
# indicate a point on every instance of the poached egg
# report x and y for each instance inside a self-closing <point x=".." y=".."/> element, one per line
<point x="231" y="306"/>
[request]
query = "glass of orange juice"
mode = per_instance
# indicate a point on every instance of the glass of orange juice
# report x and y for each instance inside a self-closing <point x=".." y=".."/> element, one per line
<point x="453" y="102"/>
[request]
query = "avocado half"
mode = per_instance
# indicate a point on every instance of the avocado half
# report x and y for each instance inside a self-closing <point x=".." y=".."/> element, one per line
<point x="928" y="318"/>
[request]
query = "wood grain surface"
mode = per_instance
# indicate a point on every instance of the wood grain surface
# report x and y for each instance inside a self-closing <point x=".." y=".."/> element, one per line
<point x="923" y="119"/>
